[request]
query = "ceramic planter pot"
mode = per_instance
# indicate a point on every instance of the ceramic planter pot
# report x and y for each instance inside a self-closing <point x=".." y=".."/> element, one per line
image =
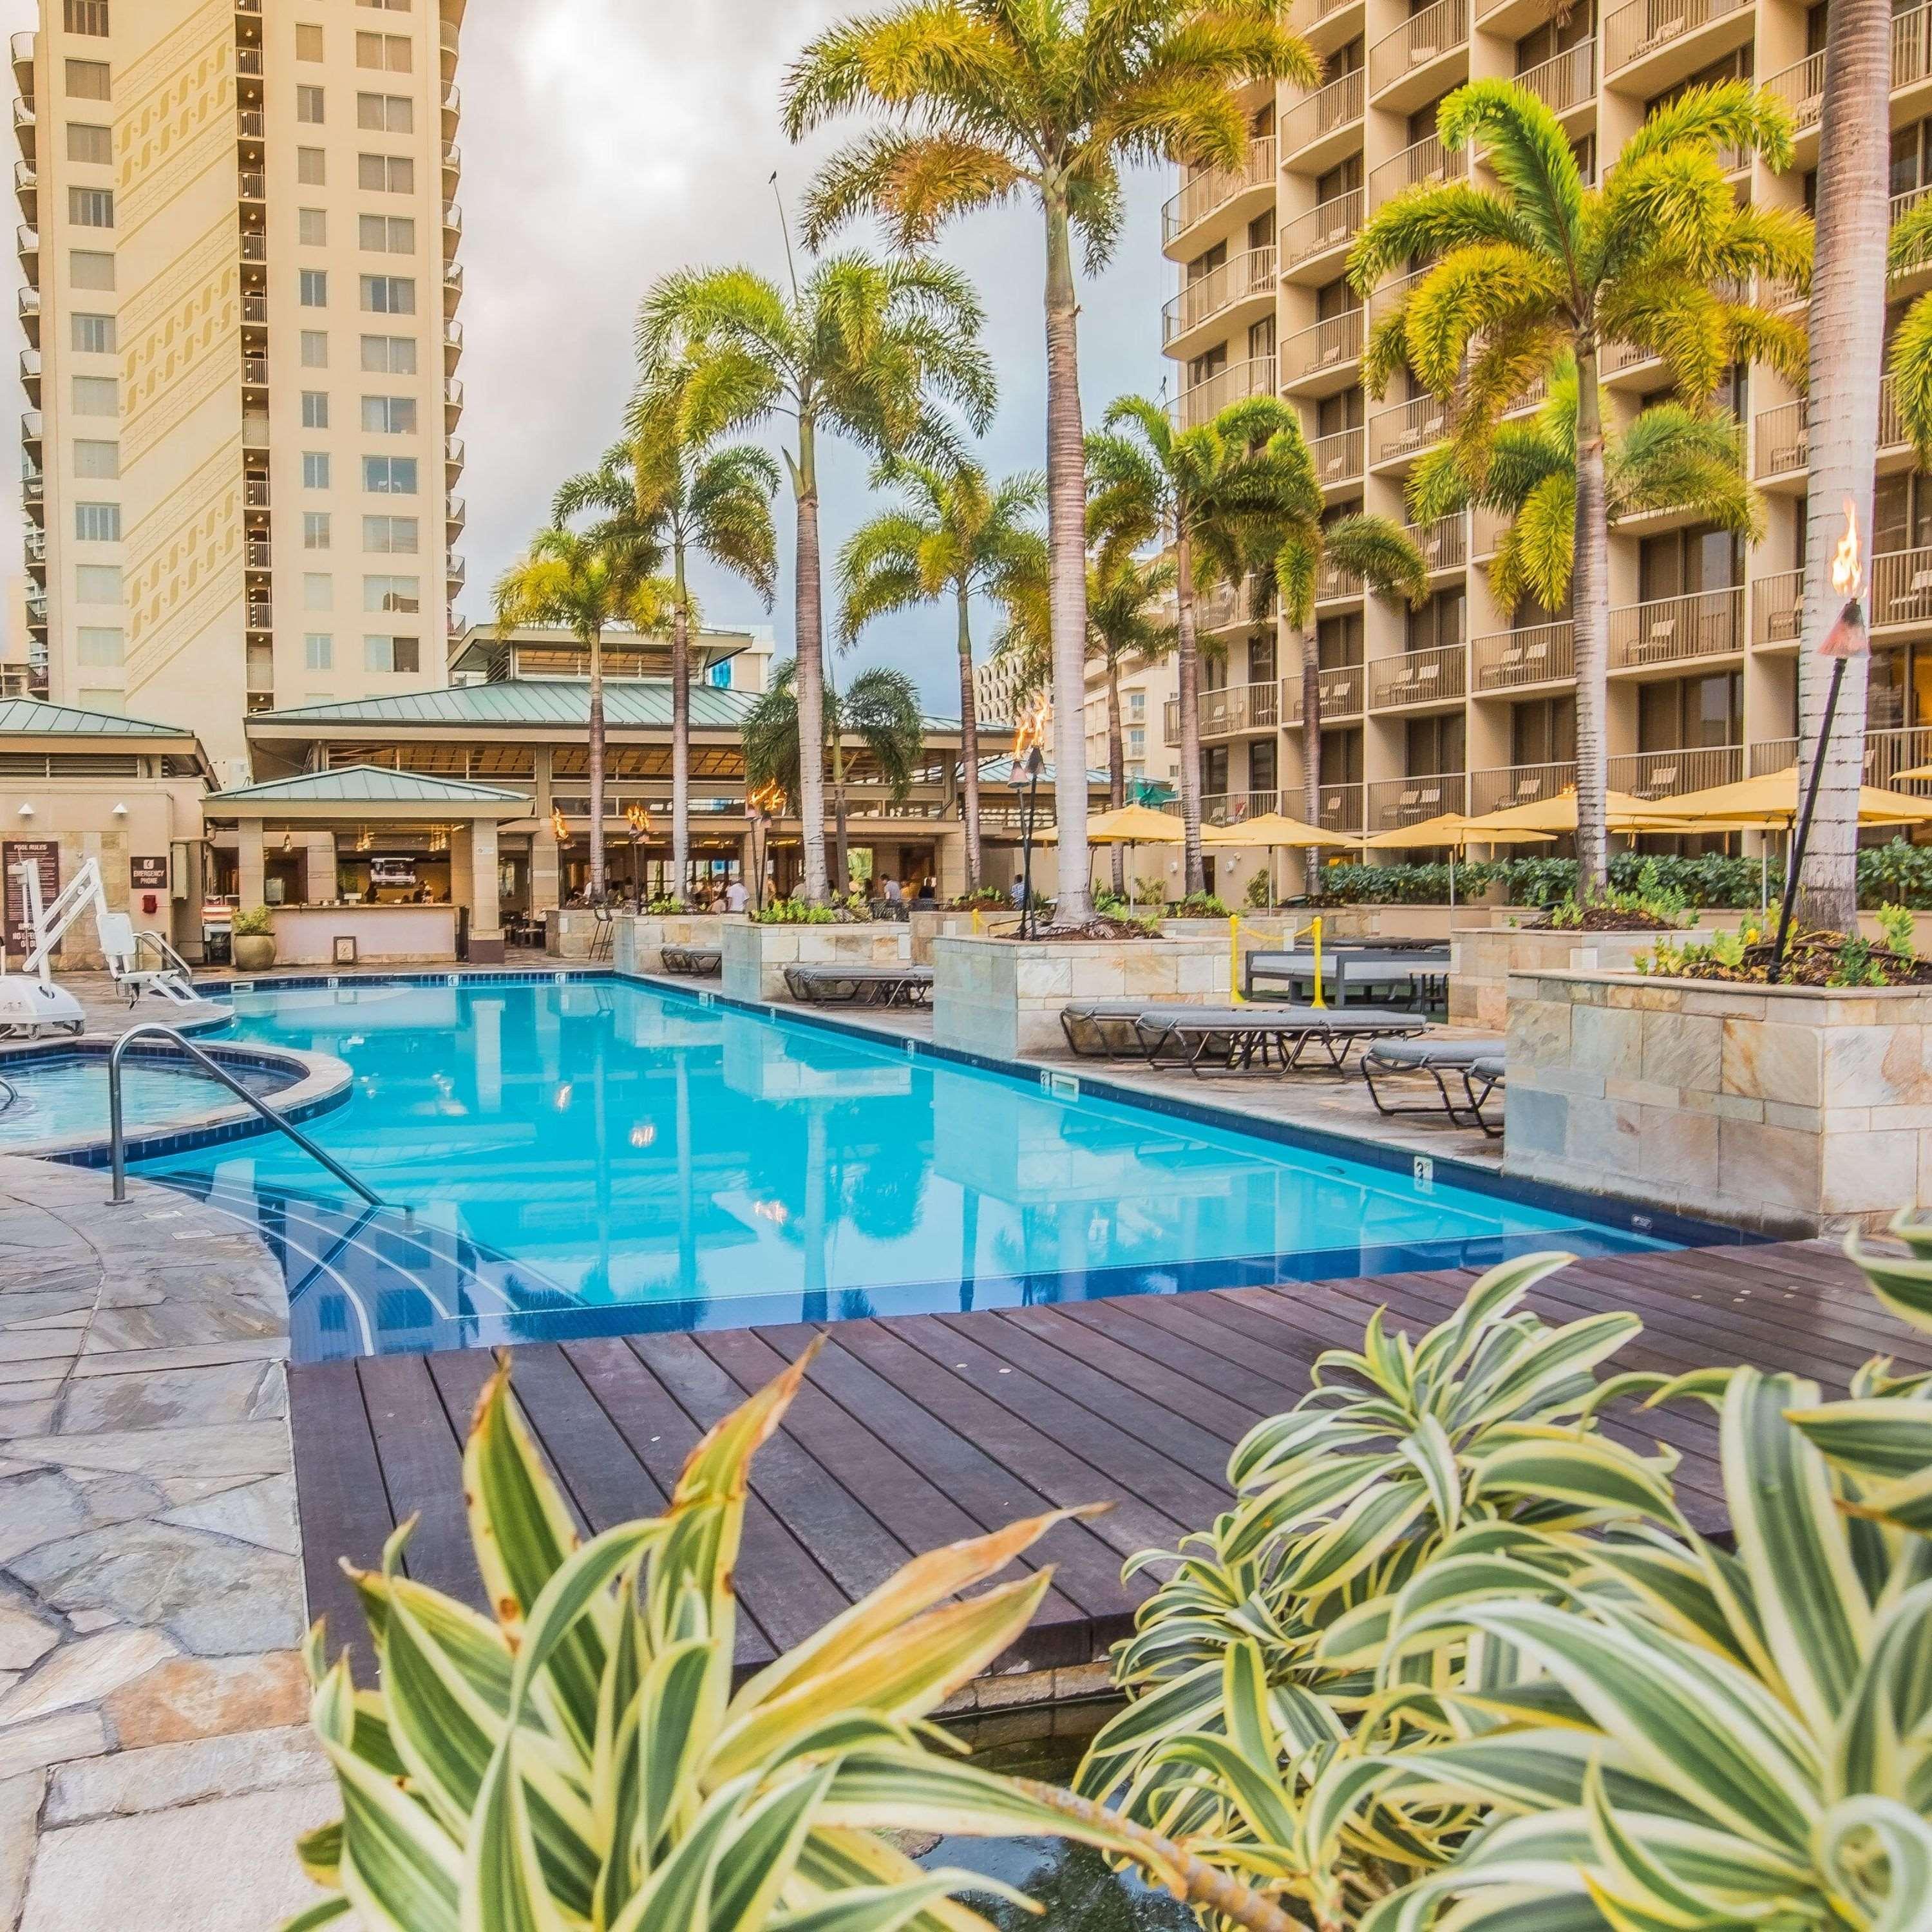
<point x="254" y="951"/>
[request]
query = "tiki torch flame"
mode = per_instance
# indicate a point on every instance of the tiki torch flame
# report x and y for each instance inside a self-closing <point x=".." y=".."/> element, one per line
<point x="1030" y="738"/>
<point x="1847" y="638"/>
<point x="1847" y="578"/>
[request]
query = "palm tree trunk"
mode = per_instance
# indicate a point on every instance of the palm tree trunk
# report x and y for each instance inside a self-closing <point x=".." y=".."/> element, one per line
<point x="597" y="766"/>
<point x="1591" y="626"/>
<point x="1187" y="665"/>
<point x="680" y="733"/>
<point x="1116" y="766"/>
<point x="1066" y="543"/>
<point x="811" y="628"/>
<point x="836" y="724"/>
<point x="1311" y="752"/>
<point x="969" y="741"/>
<point x="1847" y="348"/>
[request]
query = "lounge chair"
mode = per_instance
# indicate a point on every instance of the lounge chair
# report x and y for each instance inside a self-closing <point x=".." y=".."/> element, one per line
<point x="1423" y="970"/>
<point x="860" y="986"/>
<point x="1240" y="1038"/>
<point x="1102" y="1029"/>
<point x="692" y="962"/>
<point x="1401" y="1065"/>
<point x="1481" y="1078"/>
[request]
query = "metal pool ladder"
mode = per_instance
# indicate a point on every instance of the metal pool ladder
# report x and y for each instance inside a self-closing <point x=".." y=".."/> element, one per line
<point x="117" y="1126"/>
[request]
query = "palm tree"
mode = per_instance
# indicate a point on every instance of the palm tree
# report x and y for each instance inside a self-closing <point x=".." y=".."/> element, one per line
<point x="863" y="350"/>
<point x="988" y="99"/>
<point x="880" y="708"/>
<point x="586" y="582"/>
<point x="953" y="535"/>
<point x="687" y="493"/>
<point x="1542" y="267"/>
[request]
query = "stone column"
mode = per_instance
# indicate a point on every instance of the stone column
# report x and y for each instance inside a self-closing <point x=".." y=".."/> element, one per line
<point x="475" y="851"/>
<point x="251" y="864"/>
<point x="545" y="880"/>
<point x="950" y="862"/>
<point x="318" y="867"/>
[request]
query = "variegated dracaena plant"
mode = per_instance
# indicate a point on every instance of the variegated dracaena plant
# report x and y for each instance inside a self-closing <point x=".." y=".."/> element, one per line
<point x="580" y="1762"/>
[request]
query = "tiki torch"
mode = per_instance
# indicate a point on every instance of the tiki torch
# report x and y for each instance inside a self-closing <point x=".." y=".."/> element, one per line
<point x="1848" y="637"/>
<point x="761" y="807"/>
<point x="1028" y="763"/>
<point x="639" y="819"/>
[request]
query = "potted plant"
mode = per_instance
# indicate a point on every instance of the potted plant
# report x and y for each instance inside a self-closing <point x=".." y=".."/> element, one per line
<point x="254" y="940"/>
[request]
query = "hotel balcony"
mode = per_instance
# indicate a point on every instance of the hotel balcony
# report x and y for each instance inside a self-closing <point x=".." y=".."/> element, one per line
<point x="254" y="311"/>
<point x="1568" y="81"/>
<point x="1801" y="88"/>
<point x="452" y="228"/>
<point x="1213" y="394"/>
<point x="254" y="245"/>
<point x="452" y="458"/>
<point x="1340" y="809"/>
<point x="31" y="430"/>
<point x="27" y="191"/>
<point x="1669" y="39"/>
<point x="1420" y="680"/>
<point x="457" y="516"/>
<point x="447" y="40"/>
<point x="35" y="548"/>
<point x="452" y="344"/>
<point x="1677" y="630"/>
<point x="1338" y="458"/>
<point x="452" y="287"/>
<point x="1888" y="752"/>
<point x="1415" y="63"/>
<point x="1777" y="608"/>
<point x="1515" y="660"/>
<point x="1338" y="690"/>
<point x="452" y="168"/>
<point x="1230" y="712"/>
<point x="1235" y="808"/>
<point x="1334" y="585"/>
<point x="452" y="112"/>
<point x="261" y="554"/>
<point x="1321" y="126"/>
<point x="452" y="405"/>
<point x="1671" y="774"/>
<point x="1911" y="48"/>
<point x="1781" y="446"/>
<point x="1385" y="296"/>
<point x="254" y="372"/>
<point x="1393" y="802"/>
<point x="1247" y="278"/>
<point x="27" y="246"/>
<point x="24" y="127"/>
<point x="1502" y="785"/>
<point x="254" y="429"/>
<point x="1444" y="543"/>
<point x="30" y="376"/>
<point x="251" y="185"/>
<point x="1399" y="435"/>
<point x="34" y="491"/>
<point x="20" y="47"/>
<point x="261" y="614"/>
<point x="1485" y="532"/>
<point x="251" y="125"/>
<point x="29" y="308"/>
<point x="457" y="573"/>
<point x="36" y="607"/>
<point x="1426" y="162"/>
<point x="1901" y="597"/>
<point x="1232" y="606"/>
<point x="1312" y="244"/>
<point x="255" y="493"/>
<point x="1318" y="360"/>
<point x="1209" y="190"/>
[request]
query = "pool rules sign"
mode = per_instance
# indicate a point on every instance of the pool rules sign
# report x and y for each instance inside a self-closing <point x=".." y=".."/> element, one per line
<point x="43" y="854"/>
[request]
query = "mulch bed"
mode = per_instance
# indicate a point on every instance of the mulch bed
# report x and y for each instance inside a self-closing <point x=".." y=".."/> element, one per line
<point x="1811" y="959"/>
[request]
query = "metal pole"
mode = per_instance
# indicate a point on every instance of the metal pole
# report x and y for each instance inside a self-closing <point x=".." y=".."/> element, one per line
<point x="1803" y="838"/>
<point x="1026" y="857"/>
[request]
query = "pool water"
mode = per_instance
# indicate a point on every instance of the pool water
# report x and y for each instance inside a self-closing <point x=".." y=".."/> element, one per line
<point x="65" y="1098"/>
<point x="601" y="1158"/>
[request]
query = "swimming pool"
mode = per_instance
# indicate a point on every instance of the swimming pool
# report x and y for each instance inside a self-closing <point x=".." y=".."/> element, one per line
<point x="590" y="1155"/>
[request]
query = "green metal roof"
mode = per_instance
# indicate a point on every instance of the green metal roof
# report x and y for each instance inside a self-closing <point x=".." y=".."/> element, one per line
<point x="20" y="716"/>
<point x="552" y="703"/>
<point x="366" y="784"/>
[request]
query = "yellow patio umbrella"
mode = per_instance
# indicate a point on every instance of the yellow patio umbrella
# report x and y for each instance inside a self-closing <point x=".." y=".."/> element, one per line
<point x="1919" y="771"/>
<point x="1130" y="825"/>
<point x="1557" y="814"/>
<point x="1773" y="800"/>
<point x="1452" y="829"/>
<point x="1273" y="831"/>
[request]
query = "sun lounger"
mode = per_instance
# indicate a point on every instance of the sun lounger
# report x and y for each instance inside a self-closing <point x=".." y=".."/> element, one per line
<point x="1242" y="1039"/>
<point x="1401" y="1066"/>
<point x="1419" y="972"/>
<point x="1481" y="1078"/>
<point x="1102" y="1029"/>
<point x="860" y="986"/>
<point x="692" y="962"/>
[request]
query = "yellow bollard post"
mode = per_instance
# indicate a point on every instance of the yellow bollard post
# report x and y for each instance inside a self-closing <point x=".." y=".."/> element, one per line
<point x="1315" y="929"/>
<point x="978" y="923"/>
<point x="1234" y="957"/>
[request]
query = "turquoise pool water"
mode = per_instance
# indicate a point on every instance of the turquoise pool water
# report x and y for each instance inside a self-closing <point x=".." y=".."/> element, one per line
<point x="592" y="1156"/>
<point x="65" y="1099"/>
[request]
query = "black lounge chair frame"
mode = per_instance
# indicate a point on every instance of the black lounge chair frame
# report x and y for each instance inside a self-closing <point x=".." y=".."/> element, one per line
<point x="1218" y="1041"/>
<point x="1466" y="1112"/>
<point x="692" y="962"/>
<point x="860" y="985"/>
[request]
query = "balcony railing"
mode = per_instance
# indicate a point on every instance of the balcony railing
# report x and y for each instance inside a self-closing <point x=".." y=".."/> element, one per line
<point x="1202" y="192"/>
<point x="254" y="429"/>
<point x="1640" y="28"/>
<point x="255" y="371"/>
<point x="1385" y="295"/>
<point x="1901" y="589"/>
<point x="261" y="554"/>
<point x="30" y="426"/>
<point x="248" y="60"/>
<point x="1321" y="113"/>
<point x="1249" y="273"/>
<point x="1333" y="344"/>
<point x="1485" y="532"/>
<point x="1567" y="80"/>
<point x="1235" y="808"/>
<point x="1802" y="87"/>
<point x="251" y="185"/>
<point x="1667" y="630"/>
<point x="1231" y="604"/>
<point x="255" y="310"/>
<point x="1782" y="447"/>
<point x="1333" y="583"/>
<point x="1671" y="774"/>
<point x="261" y="614"/>
<point x="457" y="572"/>
<point x="1234" y="384"/>
<point x="1427" y="676"/>
<point x="1911" y="46"/>
<point x="1444" y="543"/>
<point x="1338" y="458"/>
<point x="1503" y="785"/>
<point x="1338" y="689"/>
<point x="1777" y="608"/>
<point x="1393" y="802"/>
<point x="1331" y="225"/>
<point x="457" y="515"/>
<point x="1229" y="711"/>
<point x="1426" y="162"/>
<point x="255" y="493"/>
<point x="1538" y="654"/>
<point x="1420" y="39"/>
<point x="250" y="124"/>
<point x="1407" y="430"/>
<point x="254" y="246"/>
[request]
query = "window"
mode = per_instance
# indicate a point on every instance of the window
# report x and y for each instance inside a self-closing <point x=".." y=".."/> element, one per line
<point x="315" y="470"/>
<point x="389" y="295"/>
<point x="387" y="6"/>
<point x="1137" y="706"/>
<point x="392" y="593"/>
<point x="308" y="42"/>
<point x="87" y="80"/>
<point x="312" y="167"/>
<point x="87" y="142"/>
<point x="385" y="113"/>
<point x="1438" y="624"/>
<point x="390" y="536"/>
<point x="97" y="523"/>
<point x="389" y="53"/>
<point x="312" y="227"/>
<point x="90" y="207"/>
<point x="386" y="174"/>
<point x="315" y="288"/>
<point x="389" y="475"/>
<point x="89" y="268"/>
<point x="390" y="234"/>
<point x="85" y="17"/>
<point x="318" y="590"/>
<point x="97" y="395"/>
<point x="315" y="409"/>
<point x="389" y="416"/>
<point x="101" y="645"/>
<point x="97" y="583"/>
<point x="315" y="348"/>
<point x="315" y="530"/>
<point x="309" y="106"/>
<point x="92" y="335"/>
<point x="96" y="459"/>
<point x="397" y="654"/>
<point x="389" y="354"/>
<point x="318" y="651"/>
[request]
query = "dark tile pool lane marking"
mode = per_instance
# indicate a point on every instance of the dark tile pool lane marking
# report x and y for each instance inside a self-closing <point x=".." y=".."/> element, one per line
<point x="914" y="1431"/>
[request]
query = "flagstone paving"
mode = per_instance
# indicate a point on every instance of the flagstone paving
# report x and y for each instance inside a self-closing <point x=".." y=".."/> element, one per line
<point x="155" y="1763"/>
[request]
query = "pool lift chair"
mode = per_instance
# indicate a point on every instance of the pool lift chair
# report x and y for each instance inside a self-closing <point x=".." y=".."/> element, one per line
<point x="28" y="1004"/>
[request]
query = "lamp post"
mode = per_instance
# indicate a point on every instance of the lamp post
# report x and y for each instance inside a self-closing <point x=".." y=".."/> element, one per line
<point x="1028" y="763"/>
<point x="1848" y="638"/>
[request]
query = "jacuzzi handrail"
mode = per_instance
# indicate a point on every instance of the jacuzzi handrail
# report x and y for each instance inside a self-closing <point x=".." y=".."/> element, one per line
<point x="117" y="1129"/>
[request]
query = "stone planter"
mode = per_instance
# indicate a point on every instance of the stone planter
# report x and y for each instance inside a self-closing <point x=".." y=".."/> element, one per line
<point x="1795" y="1110"/>
<point x="925" y="927"/>
<point x="1408" y="922"/>
<point x="756" y="956"/>
<point x="570" y="935"/>
<point x="637" y="944"/>
<point x="1482" y="959"/>
<point x="253" y="952"/>
<point x="1003" y="998"/>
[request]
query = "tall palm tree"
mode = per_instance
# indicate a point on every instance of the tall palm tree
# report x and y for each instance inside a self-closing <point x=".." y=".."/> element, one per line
<point x="987" y="99"/>
<point x="953" y="535"/>
<point x="863" y="348"/>
<point x="1542" y="268"/>
<point x="685" y="492"/>
<point x="586" y="582"/>
<point x="880" y="708"/>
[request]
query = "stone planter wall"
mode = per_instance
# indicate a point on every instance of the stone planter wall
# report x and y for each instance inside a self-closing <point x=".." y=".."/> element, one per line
<point x="1482" y="959"/>
<point x="1405" y="921"/>
<point x="1793" y="1110"/>
<point x="569" y="935"/>
<point x="756" y="956"/>
<point x="638" y="943"/>
<point x="1003" y="998"/>
<point x="925" y="927"/>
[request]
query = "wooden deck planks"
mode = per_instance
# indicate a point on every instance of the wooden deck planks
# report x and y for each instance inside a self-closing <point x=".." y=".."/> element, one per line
<point x="917" y="1430"/>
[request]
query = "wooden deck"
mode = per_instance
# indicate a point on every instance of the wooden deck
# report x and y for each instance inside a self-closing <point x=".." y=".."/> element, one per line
<point x="915" y="1431"/>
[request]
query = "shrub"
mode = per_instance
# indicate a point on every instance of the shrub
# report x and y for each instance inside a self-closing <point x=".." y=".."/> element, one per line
<point x="983" y="899"/>
<point x="1260" y="893"/>
<point x="1202" y="905"/>
<point x="797" y="912"/>
<point x="250" y="923"/>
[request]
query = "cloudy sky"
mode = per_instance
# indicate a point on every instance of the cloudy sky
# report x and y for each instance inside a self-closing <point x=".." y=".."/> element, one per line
<point x="605" y="143"/>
